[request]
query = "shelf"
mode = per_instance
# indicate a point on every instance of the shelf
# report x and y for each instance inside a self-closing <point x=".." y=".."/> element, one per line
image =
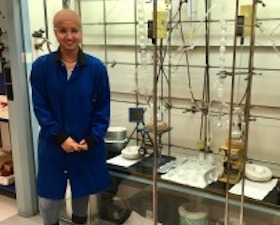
<point x="8" y="190"/>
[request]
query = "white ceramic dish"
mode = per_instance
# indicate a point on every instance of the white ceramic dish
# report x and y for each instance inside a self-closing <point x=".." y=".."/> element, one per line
<point x="258" y="173"/>
<point x="131" y="152"/>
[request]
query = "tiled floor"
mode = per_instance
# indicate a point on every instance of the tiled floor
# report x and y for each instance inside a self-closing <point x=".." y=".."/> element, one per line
<point x="8" y="213"/>
<point x="8" y="207"/>
<point x="9" y="216"/>
<point x="18" y="220"/>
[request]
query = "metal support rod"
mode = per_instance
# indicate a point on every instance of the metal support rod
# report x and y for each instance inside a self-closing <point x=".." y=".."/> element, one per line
<point x="169" y="50"/>
<point x="136" y="53"/>
<point x="155" y="144"/>
<point x="46" y="23"/>
<point x="136" y="67"/>
<point x="248" y="106"/>
<point x="195" y="66"/>
<point x="161" y="77"/>
<point x="206" y="91"/>
<point x="181" y="21"/>
<point x="80" y="13"/>
<point x="226" y="219"/>
<point x="105" y="32"/>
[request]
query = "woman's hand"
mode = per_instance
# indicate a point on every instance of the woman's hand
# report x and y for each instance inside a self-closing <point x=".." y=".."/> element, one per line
<point x="83" y="145"/>
<point x="70" y="145"/>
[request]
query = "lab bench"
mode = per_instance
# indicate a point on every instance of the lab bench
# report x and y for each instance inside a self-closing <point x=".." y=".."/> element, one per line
<point x="132" y="191"/>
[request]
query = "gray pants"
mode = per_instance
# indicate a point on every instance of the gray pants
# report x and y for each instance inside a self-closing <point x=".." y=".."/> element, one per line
<point x="49" y="210"/>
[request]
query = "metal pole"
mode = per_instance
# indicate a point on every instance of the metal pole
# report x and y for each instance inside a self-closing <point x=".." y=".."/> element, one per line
<point x="206" y="92"/>
<point x="155" y="144"/>
<point x="248" y="105"/>
<point x="46" y="24"/>
<point x="105" y="32"/>
<point x="226" y="219"/>
<point x="136" y="55"/>
<point x="136" y="67"/>
<point x="80" y="13"/>
<point x="169" y="79"/>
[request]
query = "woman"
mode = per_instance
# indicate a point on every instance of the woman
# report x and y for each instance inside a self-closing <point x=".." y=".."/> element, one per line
<point x="71" y="100"/>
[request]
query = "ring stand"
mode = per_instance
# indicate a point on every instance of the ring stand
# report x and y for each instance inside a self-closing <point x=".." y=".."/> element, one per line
<point x="136" y="115"/>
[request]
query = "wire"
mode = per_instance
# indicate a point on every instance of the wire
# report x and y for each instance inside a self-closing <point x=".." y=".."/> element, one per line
<point x="194" y="101"/>
<point x="267" y="35"/>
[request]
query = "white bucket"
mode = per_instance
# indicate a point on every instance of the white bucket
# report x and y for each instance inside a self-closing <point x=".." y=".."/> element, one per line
<point x="191" y="218"/>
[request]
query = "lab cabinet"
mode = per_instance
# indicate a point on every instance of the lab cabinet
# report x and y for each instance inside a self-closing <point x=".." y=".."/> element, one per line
<point x="134" y="187"/>
<point x="130" y="198"/>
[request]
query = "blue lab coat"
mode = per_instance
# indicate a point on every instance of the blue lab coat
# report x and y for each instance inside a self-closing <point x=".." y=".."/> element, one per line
<point x="78" y="107"/>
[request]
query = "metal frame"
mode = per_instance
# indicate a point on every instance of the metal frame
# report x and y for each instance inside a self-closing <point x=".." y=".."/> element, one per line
<point x="155" y="183"/>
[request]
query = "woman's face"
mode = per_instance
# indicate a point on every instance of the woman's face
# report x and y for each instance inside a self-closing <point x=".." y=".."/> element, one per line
<point x="68" y="35"/>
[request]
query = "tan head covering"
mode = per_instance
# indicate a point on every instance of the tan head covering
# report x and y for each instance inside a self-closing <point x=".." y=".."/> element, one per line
<point x="66" y="14"/>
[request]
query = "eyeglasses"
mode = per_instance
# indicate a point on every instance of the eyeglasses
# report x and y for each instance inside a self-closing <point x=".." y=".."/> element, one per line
<point x="64" y="31"/>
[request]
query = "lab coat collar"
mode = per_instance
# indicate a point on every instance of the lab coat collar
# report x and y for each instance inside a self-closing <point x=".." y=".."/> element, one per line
<point x="81" y="57"/>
